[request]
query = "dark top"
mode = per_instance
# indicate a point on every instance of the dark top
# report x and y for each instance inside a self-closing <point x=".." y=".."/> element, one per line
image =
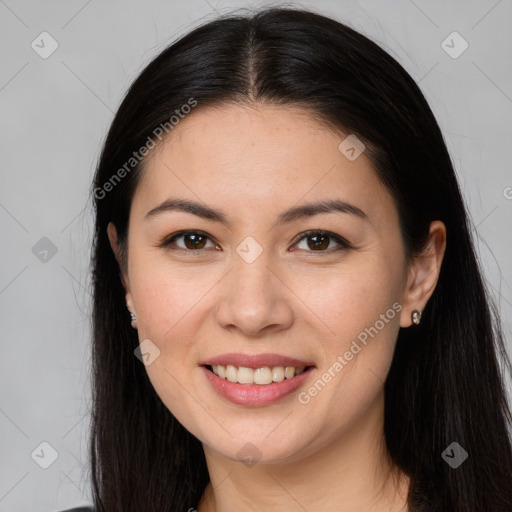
<point x="79" y="509"/>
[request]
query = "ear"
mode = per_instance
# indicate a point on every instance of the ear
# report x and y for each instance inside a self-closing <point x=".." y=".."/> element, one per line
<point x="112" y="236"/>
<point x="423" y="273"/>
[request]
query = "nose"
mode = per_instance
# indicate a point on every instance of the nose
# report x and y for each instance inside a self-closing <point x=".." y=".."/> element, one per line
<point x="255" y="300"/>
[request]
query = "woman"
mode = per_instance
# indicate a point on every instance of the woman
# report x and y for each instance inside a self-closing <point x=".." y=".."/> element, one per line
<point x="288" y="310"/>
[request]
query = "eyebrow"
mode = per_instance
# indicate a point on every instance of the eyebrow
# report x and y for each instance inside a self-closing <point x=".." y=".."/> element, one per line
<point x="297" y="212"/>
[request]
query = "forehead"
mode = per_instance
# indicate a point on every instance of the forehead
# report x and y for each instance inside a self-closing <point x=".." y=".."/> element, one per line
<point x="258" y="158"/>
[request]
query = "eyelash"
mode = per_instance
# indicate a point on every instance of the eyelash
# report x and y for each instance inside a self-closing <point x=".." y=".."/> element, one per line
<point x="342" y="242"/>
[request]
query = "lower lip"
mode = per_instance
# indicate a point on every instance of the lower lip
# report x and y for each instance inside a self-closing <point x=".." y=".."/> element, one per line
<point x="255" y="395"/>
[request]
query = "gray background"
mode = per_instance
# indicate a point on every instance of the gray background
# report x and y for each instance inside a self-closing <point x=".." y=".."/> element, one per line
<point x="55" y="113"/>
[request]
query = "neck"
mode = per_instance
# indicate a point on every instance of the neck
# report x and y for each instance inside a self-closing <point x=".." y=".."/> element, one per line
<point x="354" y="472"/>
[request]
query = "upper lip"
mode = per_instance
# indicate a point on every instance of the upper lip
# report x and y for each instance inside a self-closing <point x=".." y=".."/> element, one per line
<point x="255" y="361"/>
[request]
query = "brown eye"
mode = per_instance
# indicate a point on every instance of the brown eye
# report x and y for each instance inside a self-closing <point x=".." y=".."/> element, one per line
<point x="320" y="241"/>
<point x="192" y="240"/>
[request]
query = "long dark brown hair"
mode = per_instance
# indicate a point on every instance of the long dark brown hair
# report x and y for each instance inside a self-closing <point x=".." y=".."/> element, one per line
<point x="445" y="384"/>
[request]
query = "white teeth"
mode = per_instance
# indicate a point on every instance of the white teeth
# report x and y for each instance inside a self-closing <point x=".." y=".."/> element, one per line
<point x="262" y="376"/>
<point x="221" y="371"/>
<point x="289" y="372"/>
<point x="231" y="373"/>
<point x="245" y="375"/>
<point x="277" y="373"/>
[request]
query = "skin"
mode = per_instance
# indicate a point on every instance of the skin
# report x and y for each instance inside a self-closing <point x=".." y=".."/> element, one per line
<point x="255" y="162"/>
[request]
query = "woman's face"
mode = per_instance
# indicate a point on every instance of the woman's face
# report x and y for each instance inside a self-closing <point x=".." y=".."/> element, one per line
<point x="248" y="287"/>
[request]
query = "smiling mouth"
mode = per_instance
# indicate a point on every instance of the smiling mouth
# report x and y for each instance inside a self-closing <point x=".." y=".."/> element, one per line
<point x="261" y="376"/>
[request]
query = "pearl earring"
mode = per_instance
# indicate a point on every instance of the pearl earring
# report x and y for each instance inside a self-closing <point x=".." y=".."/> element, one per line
<point x="416" y="317"/>
<point x="133" y="318"/>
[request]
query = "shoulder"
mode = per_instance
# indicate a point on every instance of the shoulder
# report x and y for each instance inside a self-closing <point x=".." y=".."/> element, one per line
<point x="79" y="509"/>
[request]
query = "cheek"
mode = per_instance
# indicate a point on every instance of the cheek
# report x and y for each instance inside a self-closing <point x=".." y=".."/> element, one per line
<point x="360" y="305"/>
<point x="168" y="299"/>
<point x="168" y="314"/>
<point x="351" y="297"/>
<point x="169" y="311"/>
